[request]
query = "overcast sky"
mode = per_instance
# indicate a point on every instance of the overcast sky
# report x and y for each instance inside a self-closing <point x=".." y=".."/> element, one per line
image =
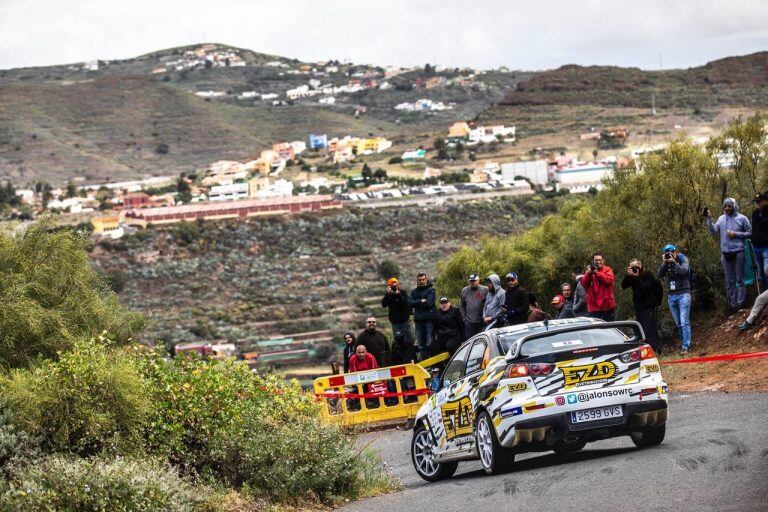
<point x="524" y="34"/>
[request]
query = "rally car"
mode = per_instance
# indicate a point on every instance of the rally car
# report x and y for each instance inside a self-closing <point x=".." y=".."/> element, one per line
<point x="536" y="387"/>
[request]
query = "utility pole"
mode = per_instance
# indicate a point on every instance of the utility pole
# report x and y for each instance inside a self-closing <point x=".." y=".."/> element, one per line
<point x="653" y="103"/>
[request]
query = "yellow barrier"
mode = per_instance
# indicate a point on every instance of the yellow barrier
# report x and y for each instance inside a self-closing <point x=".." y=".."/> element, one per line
<point x="432" y="361"/>
<point x="373" y="396"/>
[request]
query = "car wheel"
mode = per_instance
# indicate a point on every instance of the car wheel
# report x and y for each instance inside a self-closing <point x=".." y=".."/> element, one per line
<point x="494" y="457"/>
<point x="423" y="457"/>
<point x="569" y="447"/>
<point x="649" y="436"/>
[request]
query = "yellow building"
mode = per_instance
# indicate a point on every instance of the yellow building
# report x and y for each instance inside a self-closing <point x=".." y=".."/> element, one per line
<point x="256" y="185"/>
<point x="458" y="129"/>
<point x="103" y="225"/>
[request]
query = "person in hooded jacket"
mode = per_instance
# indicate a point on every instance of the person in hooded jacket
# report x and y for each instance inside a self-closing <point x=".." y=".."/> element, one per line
<point x="733" y="229"/>
<point x="349" y="348"/>
<point x="580" y="294"/>
<point x="493" y="310"/>
<point x="422" y="301"/>
<point x="515" y="301"/>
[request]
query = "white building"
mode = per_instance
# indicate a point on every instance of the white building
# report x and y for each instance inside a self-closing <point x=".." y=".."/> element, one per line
<point x="269" y="96"/>
<point x="535" y="171"/>
<point x="299" y="146"/>
<point x="580" y="177"/>
<point x="210" y="94"/>
<point x="279" y="188"/>
<point x="228" y="192"/>
<point x="246" y="95"/>
<point x="488" y="134"/>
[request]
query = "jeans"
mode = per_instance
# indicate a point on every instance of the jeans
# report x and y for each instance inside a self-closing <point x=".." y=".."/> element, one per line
<point x="761" y="256"/>
<point x="734" y="279"/>
<point x="680" y="306"/>
<point x="425" y="334"/>
<point x="647" y="319"/>
<point x="472" y="328"/>
<point x="608" y="316"/>
<point x="405" y="328"/>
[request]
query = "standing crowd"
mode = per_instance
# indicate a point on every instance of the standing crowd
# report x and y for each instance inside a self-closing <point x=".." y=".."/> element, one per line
<point x="442" y="327"/>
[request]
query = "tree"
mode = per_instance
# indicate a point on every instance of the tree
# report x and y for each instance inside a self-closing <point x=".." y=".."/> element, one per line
<point x="459" y="149"/>
<point x="184" y="190"/>
<point x="366" y="173"/>
<point x="388" y="268"/>
<point x="380" y="175"/>
<point x="71" y="189"/>
<point x="429" y="70"/>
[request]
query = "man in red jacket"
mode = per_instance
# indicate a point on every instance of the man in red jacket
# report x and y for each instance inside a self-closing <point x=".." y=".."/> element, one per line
<point x="598" y="280"/>
<point x="362" y="360"/>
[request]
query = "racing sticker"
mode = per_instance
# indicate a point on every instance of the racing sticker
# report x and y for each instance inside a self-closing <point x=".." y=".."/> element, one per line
<point x="651" y="368"/>
<point x="588" y="373"/>
<point x="518" y="386"/>
<point x="457" y="418"/>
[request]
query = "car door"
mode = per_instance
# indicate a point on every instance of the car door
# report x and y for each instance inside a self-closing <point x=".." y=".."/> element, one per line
<point x="457" y="411"/>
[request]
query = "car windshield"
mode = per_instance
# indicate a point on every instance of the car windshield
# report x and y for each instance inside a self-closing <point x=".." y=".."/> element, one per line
<point x="563" y="341"/>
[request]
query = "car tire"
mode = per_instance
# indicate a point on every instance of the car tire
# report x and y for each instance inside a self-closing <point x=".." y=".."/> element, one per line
<point x="494" y="458"/>
<point x="422" y="456"/>
<point x="649" y="436"/>
<point x="569" y="447"/>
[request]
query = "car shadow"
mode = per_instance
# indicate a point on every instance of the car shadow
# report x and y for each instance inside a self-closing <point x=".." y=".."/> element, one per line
<point x="551" y="459"/>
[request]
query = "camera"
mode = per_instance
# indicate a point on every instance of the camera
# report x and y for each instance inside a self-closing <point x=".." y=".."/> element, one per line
<point x="705" y="212"/>
<point x="635" y="270"/>
<point x="592" y="266"/>
<point x="667" y="255"/>
<point x="393" y="287"/>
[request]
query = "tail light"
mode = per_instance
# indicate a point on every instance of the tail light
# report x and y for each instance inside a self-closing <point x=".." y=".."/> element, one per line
<point x="524" y="369"/>
<point x="639" y="354"/>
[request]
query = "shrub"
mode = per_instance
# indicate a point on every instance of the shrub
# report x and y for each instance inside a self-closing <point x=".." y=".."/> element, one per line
<point x="16" y="446"/>
<point x="52" y="296"/>
<point x="89" y="399"/>
<point x="65" y="483"/>
<point x="388" y="268"/>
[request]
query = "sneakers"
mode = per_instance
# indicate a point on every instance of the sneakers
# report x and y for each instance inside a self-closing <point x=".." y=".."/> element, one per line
<point x="685" y="351"/>
<point x="743" y="326"/>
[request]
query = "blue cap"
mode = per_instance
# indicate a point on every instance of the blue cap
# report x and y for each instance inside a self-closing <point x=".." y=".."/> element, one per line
<point x="669" y="248"/>
<point x="512" y="275"/>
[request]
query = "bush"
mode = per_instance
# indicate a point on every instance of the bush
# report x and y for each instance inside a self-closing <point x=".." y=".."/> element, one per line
<point x="16" y="446"/>
<point x="90" y="399"/>
<point x="389" y="268"/>
<point x="65" y="483"/>
<point x="52" y="296"/>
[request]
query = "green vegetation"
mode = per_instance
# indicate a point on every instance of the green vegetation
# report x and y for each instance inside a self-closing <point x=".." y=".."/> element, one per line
<point x="634" y="216"/>
<point x="89" y="422"/>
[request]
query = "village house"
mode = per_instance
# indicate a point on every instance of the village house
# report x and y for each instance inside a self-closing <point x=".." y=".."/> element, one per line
<point x="343" y="154"/>
<point x="299" y="147"/>
<point x="107" y="227"/>
<point x="284" y="150"/>
<point x="317" y="141"/>
<point x="136" y="200"/>
<point x="228" y="192"/>
<point x="459" y="129"/>
<point x="414" y="155"/>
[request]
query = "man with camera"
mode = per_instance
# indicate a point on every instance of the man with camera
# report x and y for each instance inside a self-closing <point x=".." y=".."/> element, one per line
<point x="422" y="301"/>
<point x="733" y="228"/>
<point x="647" y="294"/>
<point x="598" y="281"/>
<point x="675" y="268"/>
<point x="399" y="312"/>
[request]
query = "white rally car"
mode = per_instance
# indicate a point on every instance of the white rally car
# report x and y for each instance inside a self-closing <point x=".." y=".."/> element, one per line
<point x="538" y="387"/>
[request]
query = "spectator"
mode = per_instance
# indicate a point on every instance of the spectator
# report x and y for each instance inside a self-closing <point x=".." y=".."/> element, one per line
<point x="422" y="301"/>
<point x="567" y="293"/>
<point x="493" y="310"/>
<point x="349" y="349"/>
<point x="515" y="301"/>
<point x="399" y="313"/>
<point x="598" y="281"/>
<point x="373" y="340"/>
<point x="471" y="305"/>
<point x="647" y="294"/>
<point x="760" y="237"/>
<point x="535" y="313"/>
<point x="362" y="360"/>
<point x="558" y="302"/>
<point x="676" y="268"/>
<point x="760" y="302"/>
<point x="733" y="228"/>
<point x="580" y="297"/>
<point x="450" y="327"/>
<point x="402" y="349"/>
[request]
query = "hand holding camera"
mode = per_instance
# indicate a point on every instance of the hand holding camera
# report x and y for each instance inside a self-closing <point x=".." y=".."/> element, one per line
<point x="706" y="212"/>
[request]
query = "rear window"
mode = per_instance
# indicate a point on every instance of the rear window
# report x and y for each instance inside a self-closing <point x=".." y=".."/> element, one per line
<point x="565" y="341"/>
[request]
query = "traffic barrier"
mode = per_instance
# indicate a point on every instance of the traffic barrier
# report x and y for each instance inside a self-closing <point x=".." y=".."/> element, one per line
<point x="373" y="396"/>
<point x="721" y="357"/>
<point x="434" y="360"/>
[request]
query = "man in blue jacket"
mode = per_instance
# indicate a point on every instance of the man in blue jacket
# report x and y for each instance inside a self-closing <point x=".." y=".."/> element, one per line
<point x="422" y="301"/>
<point x="675" y="268"/>
<point x="733" y="228"/>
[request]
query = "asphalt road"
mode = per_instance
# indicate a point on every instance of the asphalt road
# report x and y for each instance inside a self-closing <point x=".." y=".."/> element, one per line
<point x="714" y="458"/>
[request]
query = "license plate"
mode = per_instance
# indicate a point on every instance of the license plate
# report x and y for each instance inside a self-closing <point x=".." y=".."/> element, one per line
<point x="596" y="414"/>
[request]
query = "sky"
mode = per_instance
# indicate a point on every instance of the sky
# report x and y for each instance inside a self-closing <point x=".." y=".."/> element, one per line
<point x="519" y="34"/>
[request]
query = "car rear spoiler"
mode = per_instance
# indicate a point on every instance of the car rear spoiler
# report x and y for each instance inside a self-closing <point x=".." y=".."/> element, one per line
<point x="637" y="330"/>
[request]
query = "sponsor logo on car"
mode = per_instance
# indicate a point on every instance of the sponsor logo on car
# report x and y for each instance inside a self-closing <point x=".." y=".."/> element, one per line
<point x="651" y="368"/>
<point x="514" y="411"/>
<point x="518" y="386"/>
<point x="572" y="398"/>
<point x="457" y="417"/>
<point x="588" y="373"/>
<point x="593" y="395"/>
<point x="560" y="400"/>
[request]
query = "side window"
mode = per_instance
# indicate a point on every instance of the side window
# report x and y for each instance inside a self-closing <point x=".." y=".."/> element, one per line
<point x="476" y="356"/>
<point x="455" y="369"/>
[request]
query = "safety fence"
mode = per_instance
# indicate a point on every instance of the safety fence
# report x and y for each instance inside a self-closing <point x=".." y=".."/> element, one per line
<point x="716" y="358"/>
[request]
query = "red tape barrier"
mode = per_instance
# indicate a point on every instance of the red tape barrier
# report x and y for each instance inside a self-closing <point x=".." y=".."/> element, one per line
<point x="412" y="392"/>
<point x="712" y="359"/>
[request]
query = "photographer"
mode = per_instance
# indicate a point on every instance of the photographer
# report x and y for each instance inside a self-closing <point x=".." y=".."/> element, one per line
<point x="676" y="268"/>
<point x="399" y="312"/>
<point x="647" y="294"/>
<point x="598" y="281"/>
<point x="733" y="228"/>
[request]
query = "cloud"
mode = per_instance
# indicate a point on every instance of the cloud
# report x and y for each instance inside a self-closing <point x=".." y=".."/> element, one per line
<point x="520" y="34"/>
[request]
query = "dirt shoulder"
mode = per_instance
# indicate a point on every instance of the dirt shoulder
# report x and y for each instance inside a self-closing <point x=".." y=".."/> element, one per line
<point x="722" y="336"/>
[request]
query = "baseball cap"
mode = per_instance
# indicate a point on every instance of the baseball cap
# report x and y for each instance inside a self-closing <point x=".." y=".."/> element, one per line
<point x="669" y="248"/>
<point x="392" y="280"/>
<point x="557" y="299"/>
<point x="512" y="275"/>
<point x="443" y="300"/>
<point x="473" y="277"/>
<point x="761" y="196"/>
